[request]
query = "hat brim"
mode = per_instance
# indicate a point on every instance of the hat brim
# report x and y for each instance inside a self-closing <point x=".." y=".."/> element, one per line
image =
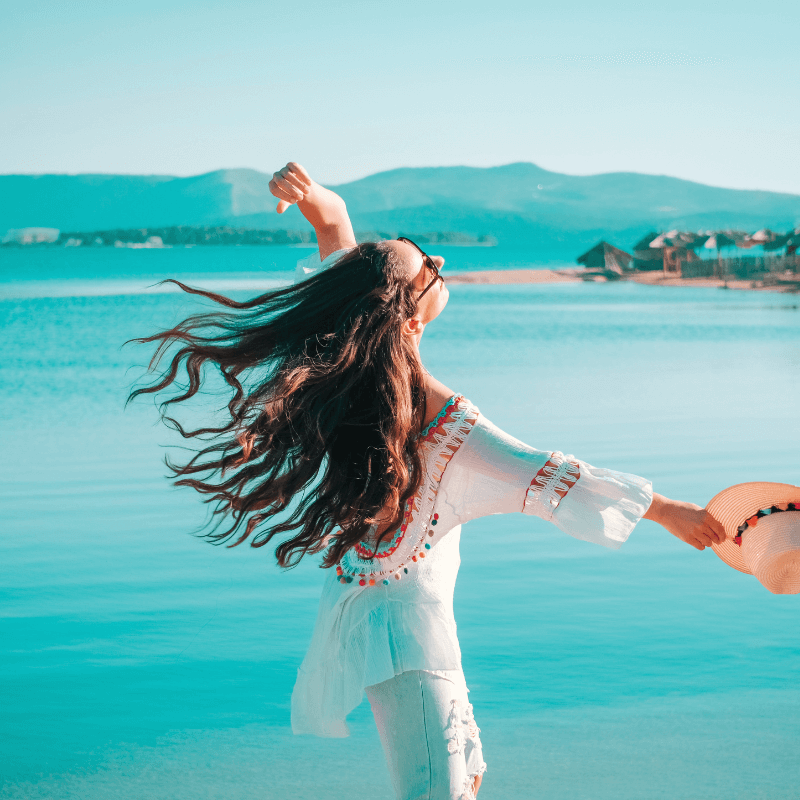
<point x="732" y="506"/>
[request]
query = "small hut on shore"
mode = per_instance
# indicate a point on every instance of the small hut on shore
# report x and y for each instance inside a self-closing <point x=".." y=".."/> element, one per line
<point x="667" y="251"/>
<point x="646" y="257"/>
<point x="606" y="257"/>
<point x="788" y="243"/>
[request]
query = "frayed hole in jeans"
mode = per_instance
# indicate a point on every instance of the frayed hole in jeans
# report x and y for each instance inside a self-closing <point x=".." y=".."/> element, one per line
<point x="469" y="784"/>
<point x="454" y="732"/>
<point x="472" y="727"/>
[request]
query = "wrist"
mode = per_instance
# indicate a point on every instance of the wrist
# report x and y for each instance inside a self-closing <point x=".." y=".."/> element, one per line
<point x="327" y="213"/>
<point x="659" y="509"/>
<point x="311" y="194"/>
<point x="322" y="207"/>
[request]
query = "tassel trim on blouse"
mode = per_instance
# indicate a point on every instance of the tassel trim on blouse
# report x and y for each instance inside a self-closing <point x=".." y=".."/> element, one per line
<point x="440" y="442"/>
<point x="550" y="486"/>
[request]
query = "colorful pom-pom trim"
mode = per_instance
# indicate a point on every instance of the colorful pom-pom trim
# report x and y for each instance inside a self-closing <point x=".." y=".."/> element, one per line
<point x="764" y="512"/>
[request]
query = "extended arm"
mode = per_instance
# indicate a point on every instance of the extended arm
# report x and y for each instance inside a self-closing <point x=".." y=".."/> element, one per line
<point x="496" y="474"/>
<point x="324" y="209"/>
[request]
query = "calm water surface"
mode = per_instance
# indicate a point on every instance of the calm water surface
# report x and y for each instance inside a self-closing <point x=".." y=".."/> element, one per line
<point x="138" y="662"/>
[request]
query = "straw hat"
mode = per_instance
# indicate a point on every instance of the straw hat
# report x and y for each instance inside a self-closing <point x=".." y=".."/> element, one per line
<point x="762" y="527"/>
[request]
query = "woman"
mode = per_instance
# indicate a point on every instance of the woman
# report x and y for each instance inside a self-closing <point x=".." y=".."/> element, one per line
<point x="338" y="441"/>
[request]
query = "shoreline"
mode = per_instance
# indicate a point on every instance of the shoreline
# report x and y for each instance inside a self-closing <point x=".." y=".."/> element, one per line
<point x="780" y="284"/>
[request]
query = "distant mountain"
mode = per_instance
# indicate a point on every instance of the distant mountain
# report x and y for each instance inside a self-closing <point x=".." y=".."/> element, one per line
<point x="516" y="203"/>
<point x="95" y="202"/>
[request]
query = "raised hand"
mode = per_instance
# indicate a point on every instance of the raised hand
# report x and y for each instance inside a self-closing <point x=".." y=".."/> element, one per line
<point x="290" y="185"/>
<point x="324" y="209"/>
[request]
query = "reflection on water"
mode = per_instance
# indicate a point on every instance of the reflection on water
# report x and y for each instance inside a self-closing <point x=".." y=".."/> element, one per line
<point x="140" y="662"/>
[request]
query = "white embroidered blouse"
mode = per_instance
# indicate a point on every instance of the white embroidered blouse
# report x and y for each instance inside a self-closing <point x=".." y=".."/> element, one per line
<point x="383" y="614"/>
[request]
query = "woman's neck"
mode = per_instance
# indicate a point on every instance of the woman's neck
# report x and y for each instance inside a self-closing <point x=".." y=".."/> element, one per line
<point x="437" y="395"/>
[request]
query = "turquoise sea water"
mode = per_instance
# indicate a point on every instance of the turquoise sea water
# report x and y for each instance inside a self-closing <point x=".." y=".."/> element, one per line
<point x="139" y="662"/>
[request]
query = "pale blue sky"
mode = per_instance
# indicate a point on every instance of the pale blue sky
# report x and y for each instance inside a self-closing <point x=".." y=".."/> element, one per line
<point x="705" y="91"/>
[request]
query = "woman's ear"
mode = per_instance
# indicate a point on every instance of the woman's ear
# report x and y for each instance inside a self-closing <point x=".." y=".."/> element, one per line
<point x="413" y="326"/>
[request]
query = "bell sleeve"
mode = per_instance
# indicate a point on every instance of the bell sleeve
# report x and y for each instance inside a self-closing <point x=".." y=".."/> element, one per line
<point x="498" y="474"/>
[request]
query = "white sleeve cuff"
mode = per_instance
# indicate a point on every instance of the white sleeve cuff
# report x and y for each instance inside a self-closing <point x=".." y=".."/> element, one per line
<point x="603" y="506"/>
<point x="310" y="265"/>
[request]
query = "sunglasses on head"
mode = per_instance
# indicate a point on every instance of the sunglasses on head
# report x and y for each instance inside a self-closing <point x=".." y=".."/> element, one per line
<point x="428" y="261"/>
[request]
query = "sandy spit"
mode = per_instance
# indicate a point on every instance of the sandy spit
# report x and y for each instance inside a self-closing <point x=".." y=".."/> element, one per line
<point x="781" y="284"/>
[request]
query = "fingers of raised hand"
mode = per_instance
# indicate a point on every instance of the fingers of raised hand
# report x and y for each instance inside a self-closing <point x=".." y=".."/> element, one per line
<point x="277" y="189"/>
<point x="293" y="181"/>
<point x="284" y="199"/>
<point x="298" y="173"/>
<point x="294" y="175"/>
<point x="290" y="185"/>
<point x="284" y="189"/>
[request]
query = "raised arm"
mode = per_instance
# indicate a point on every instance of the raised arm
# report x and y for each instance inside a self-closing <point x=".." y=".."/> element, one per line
<point x="324" y="209"/>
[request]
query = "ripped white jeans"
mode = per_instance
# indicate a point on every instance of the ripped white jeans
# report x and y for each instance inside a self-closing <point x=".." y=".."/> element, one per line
<point x="428" y="733"/>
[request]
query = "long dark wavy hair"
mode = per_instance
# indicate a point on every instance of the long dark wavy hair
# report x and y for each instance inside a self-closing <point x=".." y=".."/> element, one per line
<point x="327" y="400"/>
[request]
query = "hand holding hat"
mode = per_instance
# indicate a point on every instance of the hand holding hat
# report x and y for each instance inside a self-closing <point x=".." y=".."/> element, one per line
<point x="762" y="532"/>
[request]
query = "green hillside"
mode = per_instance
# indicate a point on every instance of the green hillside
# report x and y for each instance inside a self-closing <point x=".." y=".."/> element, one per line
<point x="518" y="204"/>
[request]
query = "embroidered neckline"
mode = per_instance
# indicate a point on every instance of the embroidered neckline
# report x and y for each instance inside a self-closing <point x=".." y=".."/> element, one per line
<point x="440" y="441"/>
<point x="387" y="548"/>
<point x="438" y="418"/>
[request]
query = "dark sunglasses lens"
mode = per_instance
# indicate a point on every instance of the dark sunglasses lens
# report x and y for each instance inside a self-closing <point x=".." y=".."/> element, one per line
<point x="429" y="263"/>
